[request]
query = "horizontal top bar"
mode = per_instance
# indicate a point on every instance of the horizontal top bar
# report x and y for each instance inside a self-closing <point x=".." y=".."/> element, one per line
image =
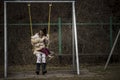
<point x="44" y="1"/>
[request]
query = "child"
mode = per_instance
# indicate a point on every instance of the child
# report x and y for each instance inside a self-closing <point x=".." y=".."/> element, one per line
<point x="40" y="41"/>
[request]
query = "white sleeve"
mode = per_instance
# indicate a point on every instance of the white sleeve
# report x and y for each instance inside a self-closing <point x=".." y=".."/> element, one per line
<point x="47" y="37"/>
<point x="35" y="36"/>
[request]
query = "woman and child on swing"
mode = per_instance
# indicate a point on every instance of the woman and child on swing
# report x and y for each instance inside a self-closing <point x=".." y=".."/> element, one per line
<point x="40" y="41"/>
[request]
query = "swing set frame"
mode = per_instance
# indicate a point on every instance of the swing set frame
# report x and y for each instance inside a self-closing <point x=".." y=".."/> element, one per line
<point x="74" y="30"/>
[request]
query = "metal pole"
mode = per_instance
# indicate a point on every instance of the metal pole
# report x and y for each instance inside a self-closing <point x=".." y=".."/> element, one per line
<point x="79" y="24"/>
<point x="76" y="42"/>
<point x="44" y="1"/>
<point x="5" y="40"/>
<point x="73" y="46"/>
<point x="60" y="40"/>
<point x="111" y="52"/>
<point x="60" y="37"/>
<point x="111" y="39"/>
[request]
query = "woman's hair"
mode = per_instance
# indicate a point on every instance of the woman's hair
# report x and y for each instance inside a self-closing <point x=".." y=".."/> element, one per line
<point x="44" y="31"/>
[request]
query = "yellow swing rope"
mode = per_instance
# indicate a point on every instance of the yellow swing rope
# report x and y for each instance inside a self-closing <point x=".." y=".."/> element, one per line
<point x="31" y="30"/>
<point x="29" y="11"/>
<point x="50" y="5"/>
<point x="49" y="15"/>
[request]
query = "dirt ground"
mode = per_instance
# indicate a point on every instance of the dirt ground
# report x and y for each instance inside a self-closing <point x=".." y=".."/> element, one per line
<point x="87" y="72"/>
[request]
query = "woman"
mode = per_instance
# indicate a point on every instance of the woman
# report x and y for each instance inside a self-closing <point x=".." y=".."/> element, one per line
<point x="40" y="41"/>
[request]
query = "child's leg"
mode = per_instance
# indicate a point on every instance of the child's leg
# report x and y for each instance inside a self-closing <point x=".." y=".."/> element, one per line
<point x="38" y="68"/>
<point x="44" y="68"/>
<point x="38" y="63"/>
<point x="44" y="64"/>
<point x="38" y="55"/>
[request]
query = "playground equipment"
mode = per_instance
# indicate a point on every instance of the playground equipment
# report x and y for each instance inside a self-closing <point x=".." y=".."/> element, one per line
<point x="74" y="29"/>
<point x="111" y="52"/>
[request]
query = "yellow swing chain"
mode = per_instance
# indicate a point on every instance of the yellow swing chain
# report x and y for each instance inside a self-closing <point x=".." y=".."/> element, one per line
<point x="31" y="30"/>
<point x="29" y="11"/>
<point x="49" y="15"/>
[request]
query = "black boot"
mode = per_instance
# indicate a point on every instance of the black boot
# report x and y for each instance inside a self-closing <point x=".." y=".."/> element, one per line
<point x="37" y="68"/>
<point x="44" y="71"/>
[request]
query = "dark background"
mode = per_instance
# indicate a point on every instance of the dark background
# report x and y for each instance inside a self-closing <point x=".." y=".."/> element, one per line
<point x="93" y="41"/>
